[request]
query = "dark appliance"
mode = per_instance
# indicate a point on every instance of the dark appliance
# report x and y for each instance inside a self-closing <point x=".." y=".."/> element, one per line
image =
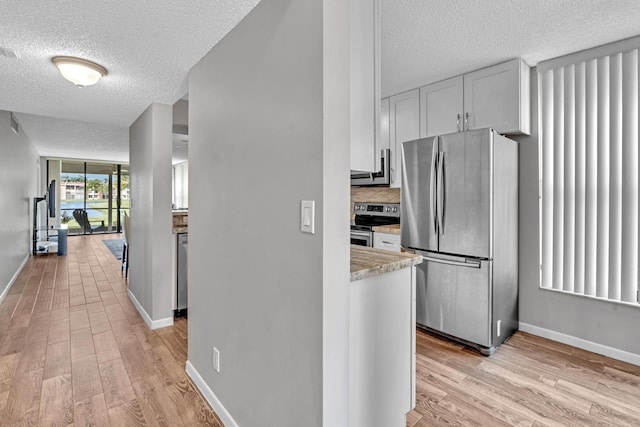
<point x="367" y="216"/>
<point x="183" y="277"/>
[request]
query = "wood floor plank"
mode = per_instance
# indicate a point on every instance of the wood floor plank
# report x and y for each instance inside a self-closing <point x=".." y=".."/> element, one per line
<point x="165" y="364"/>
<point x="116" y="385"/>
<point x="78" y="320"/>
<point x="86" y="378"/>
<point x="198" y="412"/>
<point x="136" y="362"/>
<point x="12" y="341"/>
<point x="114" y="312"/>
<point x="156" y="405"/>
<point x="58" y="360"/>
<point x="99" y="322"/>
<point x="23" y="402"/>
<point x="95" y="307"/>
<point x="56" y="402"/>
<point x="59" y="331"/>
<point x="82" y="344"/>
<point x="91" y="412"/>
<point x="129" y="414"/>
<point x="32" y="356"/>
<point x="539" y="388"/>
<point x="106" y="347"/>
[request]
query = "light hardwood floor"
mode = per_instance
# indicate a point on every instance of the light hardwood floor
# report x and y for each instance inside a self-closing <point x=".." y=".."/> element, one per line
<point x="529" y="381"/>
<point x="74" y="350"/>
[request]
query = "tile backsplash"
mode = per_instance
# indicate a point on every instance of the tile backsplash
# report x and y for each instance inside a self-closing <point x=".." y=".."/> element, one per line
<point x="374" y="194"/>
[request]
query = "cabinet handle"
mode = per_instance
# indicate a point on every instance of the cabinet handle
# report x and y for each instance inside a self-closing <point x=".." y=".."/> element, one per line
<point x="466" y="121"/>
<point x="386" y="243"/>
<point x="458" y="122"/>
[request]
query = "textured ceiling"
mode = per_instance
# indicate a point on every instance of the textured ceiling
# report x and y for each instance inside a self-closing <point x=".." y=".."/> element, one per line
<point x="424" y="41"/>
<point x="149" y="46"/>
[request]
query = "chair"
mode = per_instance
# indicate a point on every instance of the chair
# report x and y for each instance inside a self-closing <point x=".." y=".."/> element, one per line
<point x="81" y="217"/>
<point x="125" y="245"/>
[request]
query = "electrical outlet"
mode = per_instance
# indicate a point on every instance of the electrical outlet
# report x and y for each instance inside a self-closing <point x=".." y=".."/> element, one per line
<point x="498" y="325"/>
<point x="216" y="359"/>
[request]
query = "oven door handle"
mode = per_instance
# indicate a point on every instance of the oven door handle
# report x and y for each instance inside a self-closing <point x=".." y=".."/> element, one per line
<point x="360" y="233"/>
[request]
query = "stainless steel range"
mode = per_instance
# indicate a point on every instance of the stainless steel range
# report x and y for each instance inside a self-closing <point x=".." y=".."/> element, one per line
<point x="368" y="215"/>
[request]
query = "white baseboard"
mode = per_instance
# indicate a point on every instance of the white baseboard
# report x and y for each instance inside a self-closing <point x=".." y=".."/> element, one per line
<point x="604" y="350"/>
<point x="152" y="324"/>
<point x="210" y="396"/>
<point x="4" y="293"/>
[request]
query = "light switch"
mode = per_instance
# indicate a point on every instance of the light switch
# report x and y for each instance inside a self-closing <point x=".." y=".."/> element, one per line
<point x="307" y="216"/>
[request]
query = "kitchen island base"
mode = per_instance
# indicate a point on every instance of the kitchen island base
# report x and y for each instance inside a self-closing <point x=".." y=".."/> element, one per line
<point x="382" y="350"/>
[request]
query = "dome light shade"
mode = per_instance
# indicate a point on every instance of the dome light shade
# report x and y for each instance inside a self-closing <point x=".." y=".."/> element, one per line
<point x="78" y="71"/>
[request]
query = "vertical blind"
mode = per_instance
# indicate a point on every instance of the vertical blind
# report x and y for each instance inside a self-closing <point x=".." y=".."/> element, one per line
<point x="589" y="172"/>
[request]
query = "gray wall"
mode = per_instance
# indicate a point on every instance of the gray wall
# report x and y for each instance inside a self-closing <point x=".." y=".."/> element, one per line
<point x="181" y="117"/>
<point x="150" y="236"/>
<point x="255" y="281"/>
<point x="19" y="178"/>
<point x="610" y="324"/>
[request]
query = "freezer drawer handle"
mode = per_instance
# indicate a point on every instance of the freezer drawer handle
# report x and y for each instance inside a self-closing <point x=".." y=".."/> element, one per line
<point x="466" y="263"/>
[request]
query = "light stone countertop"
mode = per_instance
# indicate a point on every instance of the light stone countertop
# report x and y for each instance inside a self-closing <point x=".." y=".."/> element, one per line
<point x="391" y="229"/>
<point x="369" y="262"/>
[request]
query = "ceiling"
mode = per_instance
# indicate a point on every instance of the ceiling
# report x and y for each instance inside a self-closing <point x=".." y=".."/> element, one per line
<point x="149" y="46"/>
<point x="424" y="41"/>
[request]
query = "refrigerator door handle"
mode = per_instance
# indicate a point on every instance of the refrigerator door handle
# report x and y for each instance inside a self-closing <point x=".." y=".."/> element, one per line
<point x="466" y="263"/>
<point x="432" y="187"/>
<point x="441" y="190"/>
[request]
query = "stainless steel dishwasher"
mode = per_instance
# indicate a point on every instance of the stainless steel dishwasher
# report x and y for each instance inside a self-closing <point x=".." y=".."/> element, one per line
<point x="183" y="277"/>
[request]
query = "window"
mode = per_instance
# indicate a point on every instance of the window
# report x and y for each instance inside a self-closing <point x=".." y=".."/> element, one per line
<point x="589" y="172"/>
<point x="100" y="189"/>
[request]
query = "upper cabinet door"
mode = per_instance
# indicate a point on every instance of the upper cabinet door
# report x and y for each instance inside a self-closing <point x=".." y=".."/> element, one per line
<point x="404" y="125"/>
<point x="441" y="107"/>
<point x="384" y="124"/>
<point x="498" y="97"/>
<point x="365" y="85"/>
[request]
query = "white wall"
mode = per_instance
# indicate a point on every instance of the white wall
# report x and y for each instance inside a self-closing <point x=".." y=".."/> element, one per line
<point x="263" y="138"/>
<point x="19" y="174"/>
<point x="601" y="322"/>
<point x="150" y="235"/>
<point x="181" y="185"/>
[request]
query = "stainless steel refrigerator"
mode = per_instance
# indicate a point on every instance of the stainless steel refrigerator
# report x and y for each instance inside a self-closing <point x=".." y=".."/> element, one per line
<point x="460" y="211"/>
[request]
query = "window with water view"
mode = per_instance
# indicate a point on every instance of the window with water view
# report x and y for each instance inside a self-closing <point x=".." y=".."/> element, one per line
<point x="93" y="196"/>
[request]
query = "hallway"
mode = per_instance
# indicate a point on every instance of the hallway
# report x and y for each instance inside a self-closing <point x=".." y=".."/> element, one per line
<point x="74" y="350"/>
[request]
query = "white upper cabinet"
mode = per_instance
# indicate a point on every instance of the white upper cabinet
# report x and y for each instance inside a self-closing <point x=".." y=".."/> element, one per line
<point x="442" y="107"/>
<point x="498" y="97"/>
<point x="495" y="97"/>
<point x="365" y="85"/>
<point x="404" y="125"/>
<point x="384" y="124"/>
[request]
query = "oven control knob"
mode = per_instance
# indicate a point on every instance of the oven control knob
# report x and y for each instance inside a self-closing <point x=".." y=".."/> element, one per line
<point x="395" y="209"/>
<point x="388" y="209"/>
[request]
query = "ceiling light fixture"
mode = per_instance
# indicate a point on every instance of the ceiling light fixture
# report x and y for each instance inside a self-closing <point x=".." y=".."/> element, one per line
<point x="80" y="72"/>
